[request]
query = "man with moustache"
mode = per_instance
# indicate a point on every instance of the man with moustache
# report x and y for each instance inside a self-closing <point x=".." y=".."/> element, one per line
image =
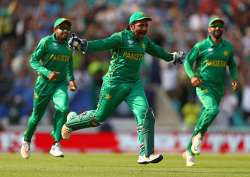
<point x="211" y="58"/>
<point x="52" y="60"/>
<point x="122" y="83"/>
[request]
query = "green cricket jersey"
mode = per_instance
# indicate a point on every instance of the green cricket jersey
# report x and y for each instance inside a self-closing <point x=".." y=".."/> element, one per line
<point x="211" y="62"/>
<point x="50" y="55"/>
<point x="127" y="54"/>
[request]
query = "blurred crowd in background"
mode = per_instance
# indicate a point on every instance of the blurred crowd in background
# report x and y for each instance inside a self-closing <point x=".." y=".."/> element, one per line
<point x="176" y="25"/>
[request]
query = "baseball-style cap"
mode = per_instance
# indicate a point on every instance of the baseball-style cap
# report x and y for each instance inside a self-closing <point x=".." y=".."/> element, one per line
<point x="60" y="21"/>
<point x="214" y="19"/>
<point x="137" y="16"/>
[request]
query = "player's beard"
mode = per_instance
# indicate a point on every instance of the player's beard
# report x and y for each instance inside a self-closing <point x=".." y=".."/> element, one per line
<point x="62" y="35"/>
<point x="140" y="34"/>
<point x="217" y="33"/>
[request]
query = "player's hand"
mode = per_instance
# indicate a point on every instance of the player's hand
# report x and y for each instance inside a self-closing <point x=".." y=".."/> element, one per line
<point x="195" y="81"/>
<point x="77" y="43"/>
<point x="72" y="86"/>
<point x="178" y="57"/>
<point x="53" y="75"/>
<point x="234" y="85"/>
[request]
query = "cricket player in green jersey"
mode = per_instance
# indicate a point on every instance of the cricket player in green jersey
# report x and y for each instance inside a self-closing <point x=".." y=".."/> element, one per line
<point x="52" y="60"/>
<point x="122" y="83"/>
<point x="212" y="57"/>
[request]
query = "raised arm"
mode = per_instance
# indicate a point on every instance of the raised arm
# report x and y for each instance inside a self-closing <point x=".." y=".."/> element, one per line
<point x="157" y="51"/>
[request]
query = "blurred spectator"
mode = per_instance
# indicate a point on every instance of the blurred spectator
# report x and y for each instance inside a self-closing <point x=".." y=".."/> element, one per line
<point x="245" y="101"/>
<point x="96" y="70"/>
<point x="246" y="42"/>
<point x="169" y="79"/>
<point x="190" y="112"/>
<point x="228" y="107"/>
<point x="16" y="104"/>
<point x="6" y="18"/>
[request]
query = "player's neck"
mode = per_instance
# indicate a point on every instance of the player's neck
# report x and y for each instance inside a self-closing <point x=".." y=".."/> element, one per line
<point x="216" y="40"/>
<point x="60" y="40"/>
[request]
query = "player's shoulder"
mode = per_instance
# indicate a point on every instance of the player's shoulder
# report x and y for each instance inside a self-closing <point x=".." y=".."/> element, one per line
<point x="147" y="38"/>
<point x="123" y="35"/>
<point x="118" y="33"/>
<point x="118" y="36"/>
<point x="125" y="32"/>
<point x="228" y="44"/>
<point x="201" y="43"/>
<point x="45" y="39"/>
<point x="48" y="37"/>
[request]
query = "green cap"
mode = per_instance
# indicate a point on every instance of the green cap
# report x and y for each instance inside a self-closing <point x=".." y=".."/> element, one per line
<point x="214" y="19"/>
<point x="60" y="21"/>
<point x="137" y="16"/>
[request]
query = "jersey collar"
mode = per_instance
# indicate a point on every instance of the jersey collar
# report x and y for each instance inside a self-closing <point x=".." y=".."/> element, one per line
<point x="54" y="37"/>
<point x="212" y="43"/>
<point x="131" y="34"/>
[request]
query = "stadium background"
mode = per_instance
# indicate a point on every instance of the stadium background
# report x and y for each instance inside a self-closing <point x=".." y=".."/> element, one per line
<point x="176" y="25"/>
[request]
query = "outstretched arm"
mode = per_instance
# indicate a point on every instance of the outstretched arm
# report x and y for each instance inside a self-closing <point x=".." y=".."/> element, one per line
<point x="83" y="45"/>
<point x="157" y="51"/>
<point x="108" y="43"/>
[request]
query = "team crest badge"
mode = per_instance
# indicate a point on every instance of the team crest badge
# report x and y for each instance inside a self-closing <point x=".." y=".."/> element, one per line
<point x="143" y="45"/>
<point x="226" y="53"/>
<point x="130" y="43"/>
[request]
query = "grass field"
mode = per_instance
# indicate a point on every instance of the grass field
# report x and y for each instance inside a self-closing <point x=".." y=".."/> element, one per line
<point x="122" y="165"/>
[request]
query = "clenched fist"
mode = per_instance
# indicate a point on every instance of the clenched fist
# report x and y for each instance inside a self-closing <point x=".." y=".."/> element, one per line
<point x="234" y="85"/>
<point x="195" y="81"/>
<point x="72" y="86"/>
<point x="53" y="75"/>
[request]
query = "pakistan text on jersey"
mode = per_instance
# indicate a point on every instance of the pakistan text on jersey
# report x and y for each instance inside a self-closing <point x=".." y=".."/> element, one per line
<point x="133" y="56"/>
<point x="216" y="63"/>
<point x="62" y="58"/>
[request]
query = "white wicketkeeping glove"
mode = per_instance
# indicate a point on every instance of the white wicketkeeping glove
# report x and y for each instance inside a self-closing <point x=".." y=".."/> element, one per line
<point x="77" y="43"/>
<point x="178" y="57"/>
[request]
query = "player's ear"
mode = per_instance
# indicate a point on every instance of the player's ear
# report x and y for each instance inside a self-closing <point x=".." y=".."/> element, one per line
<point x="209" y="29"/>
<point x="132" y="27"/>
